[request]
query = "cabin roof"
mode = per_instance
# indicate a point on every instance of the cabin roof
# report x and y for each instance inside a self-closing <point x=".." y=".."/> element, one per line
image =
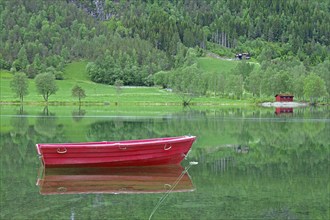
<point x="284" y="94"/>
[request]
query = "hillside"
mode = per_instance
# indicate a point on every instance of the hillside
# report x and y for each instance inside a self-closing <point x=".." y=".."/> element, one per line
<point x="294" y="27"/>
<point x="131" y="41"/>
<point x="54" y="33"/>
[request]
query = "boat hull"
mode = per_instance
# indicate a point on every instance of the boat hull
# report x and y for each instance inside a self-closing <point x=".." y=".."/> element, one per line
<point x="147" y="152"/>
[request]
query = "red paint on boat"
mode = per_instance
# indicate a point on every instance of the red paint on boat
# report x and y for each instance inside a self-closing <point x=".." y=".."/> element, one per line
<point x="147" y="152"/>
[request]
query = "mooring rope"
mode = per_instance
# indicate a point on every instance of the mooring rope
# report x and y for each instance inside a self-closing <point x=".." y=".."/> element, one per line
<point x="171" y="189"/>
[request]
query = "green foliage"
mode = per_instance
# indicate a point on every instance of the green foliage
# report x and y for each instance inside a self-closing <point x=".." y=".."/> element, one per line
<point x="42" y="29"/>
<point x="118" y="84"/>
<point x="191" y="57"/>
<point x="281" y="76"/>
<point x="78" y="92"/>
<point x="59" y="32"/>
<point x="254" y="83"/>
<point x="51" y="34"/>
<point x="273" y="29"/>
<point x="243" y="68"/>
<point x="161" y="78"/>
<point x="323" y="70"/>
<point x="19" y="85"/>
<point x="188" y="82"/>
<point x="134" y="65"/>
<point x="219" y="84"/>
<point x="314" y="87"/>
<point x="133" y="41"/>
<point x="46" y="85"/>
<point x="234" y="86"/>
<point x="58" y="74"/>
<point x="219" y="50"/>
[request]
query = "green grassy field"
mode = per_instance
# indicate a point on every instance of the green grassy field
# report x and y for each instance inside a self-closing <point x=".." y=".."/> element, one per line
<point x="100" y="94"/>
<point x="76" y="71"/>
<point x="215" y="65"/>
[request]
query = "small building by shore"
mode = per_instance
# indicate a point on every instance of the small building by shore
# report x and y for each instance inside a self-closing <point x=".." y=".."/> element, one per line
<point x="284" y="98"/>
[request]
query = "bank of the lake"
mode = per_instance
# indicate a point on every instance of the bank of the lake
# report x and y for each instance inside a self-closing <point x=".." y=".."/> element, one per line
<point x="100" y="94"/>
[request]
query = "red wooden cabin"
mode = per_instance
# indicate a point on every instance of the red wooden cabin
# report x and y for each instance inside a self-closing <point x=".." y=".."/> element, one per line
<point x="284" y="98"/>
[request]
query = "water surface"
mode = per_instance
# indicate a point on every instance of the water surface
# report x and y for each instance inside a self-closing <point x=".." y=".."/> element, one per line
<point x="252" y="163"/>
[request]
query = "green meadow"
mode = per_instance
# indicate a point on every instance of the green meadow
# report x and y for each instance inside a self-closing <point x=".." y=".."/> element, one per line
<point x="100" y="94"/>
<point x="209" y="64"/>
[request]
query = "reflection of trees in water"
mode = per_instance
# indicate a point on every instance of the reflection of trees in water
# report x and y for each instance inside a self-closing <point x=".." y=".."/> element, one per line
<point x="221" y="164"/>
<point x="16" y="144"/>
<point x="273" y="144"/>
<point x="127" y="128"/>
<point x="78" y="115"/>
<point x="282" y="143"/>
<point x="20" y="125"/>
<point x="46" y="125"/>
<point x="121" y="129"/>
<point x="289" y="145"/>
<point x="21" y="109"/>
<point x="280" y="213"/>
<point x="286" y="146"/>
<point x="19" y="133"/>
<point x="47" y="128"/>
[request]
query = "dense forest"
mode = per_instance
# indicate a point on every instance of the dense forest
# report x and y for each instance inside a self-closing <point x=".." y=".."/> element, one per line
<point x="131" y="41"/>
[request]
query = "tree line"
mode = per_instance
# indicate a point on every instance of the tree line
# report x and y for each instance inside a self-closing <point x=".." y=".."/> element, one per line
<point x="130" y="41"/>
<point x="45" y="85"/>
<point x="249" y="80"/>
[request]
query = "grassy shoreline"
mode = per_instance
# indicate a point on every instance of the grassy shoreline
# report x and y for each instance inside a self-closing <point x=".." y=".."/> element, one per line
<point x="104" y="95"/>
<point x="140" y="103"/>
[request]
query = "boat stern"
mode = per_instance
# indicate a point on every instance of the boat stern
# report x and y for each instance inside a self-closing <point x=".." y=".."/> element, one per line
<point x="38" y="149"/>
<point x="40" y="155"/>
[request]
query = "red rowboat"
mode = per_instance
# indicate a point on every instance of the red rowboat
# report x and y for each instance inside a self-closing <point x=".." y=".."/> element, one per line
<point x="115" y="180"/>
<point x="147" y="152"/>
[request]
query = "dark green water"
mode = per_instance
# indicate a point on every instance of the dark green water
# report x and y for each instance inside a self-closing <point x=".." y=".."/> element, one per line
<point x="253" y="164"/>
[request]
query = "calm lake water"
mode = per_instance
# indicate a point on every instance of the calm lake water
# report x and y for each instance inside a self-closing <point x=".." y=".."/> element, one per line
<point x="252" y="164"/>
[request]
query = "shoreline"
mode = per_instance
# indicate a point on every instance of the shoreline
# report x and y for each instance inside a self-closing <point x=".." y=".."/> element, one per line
<point x="146" y="103"/>
<point x="284" y="104"/>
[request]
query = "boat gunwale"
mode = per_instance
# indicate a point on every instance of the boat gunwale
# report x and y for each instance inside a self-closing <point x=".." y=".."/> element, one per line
<point x="119" y="143"/>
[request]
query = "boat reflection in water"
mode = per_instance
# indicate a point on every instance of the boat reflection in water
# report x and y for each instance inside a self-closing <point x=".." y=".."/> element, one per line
<point x="117" y="180"/>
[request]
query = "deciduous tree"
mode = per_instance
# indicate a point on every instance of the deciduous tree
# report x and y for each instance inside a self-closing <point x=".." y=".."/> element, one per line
<point x="46" y="85"/>
<point x="118" y="84"/>
<point x="20" y="85"/>
<point x="187" y="83"/>
<point x="78" y="92"/>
